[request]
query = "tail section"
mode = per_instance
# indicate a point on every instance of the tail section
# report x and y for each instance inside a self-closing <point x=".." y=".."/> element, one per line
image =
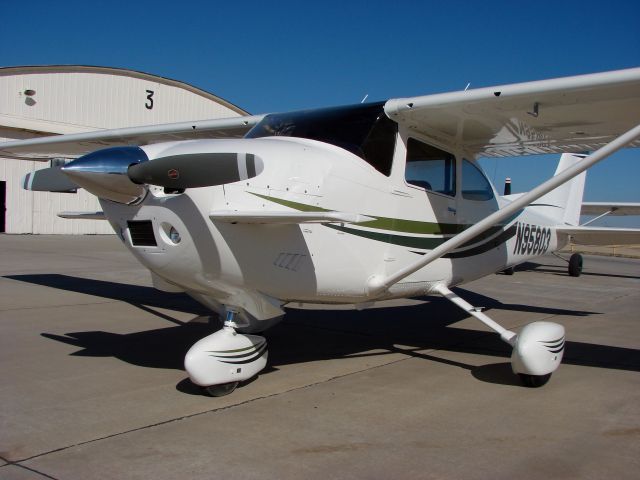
<point x="567" y="198"/>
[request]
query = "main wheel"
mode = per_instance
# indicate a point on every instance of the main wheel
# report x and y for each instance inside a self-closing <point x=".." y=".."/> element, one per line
<point x="534" y="381"/>
<point x="575" y="265"/>
<point x="220" y="390"/>
<point x="508" y="271"/>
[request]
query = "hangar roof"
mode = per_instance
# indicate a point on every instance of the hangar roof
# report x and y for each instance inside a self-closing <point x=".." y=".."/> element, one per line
<point x="43" y="69"/>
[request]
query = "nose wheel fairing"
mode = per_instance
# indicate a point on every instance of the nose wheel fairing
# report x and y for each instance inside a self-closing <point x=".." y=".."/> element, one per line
<point x="220" y="361"/>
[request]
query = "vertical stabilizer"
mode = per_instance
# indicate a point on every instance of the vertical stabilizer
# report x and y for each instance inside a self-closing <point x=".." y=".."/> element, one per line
<point x="567" y="197"/>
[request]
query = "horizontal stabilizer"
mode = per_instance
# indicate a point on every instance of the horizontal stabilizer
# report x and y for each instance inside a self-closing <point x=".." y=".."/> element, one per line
<point x="83" y="215"/>
<point x="48" y="180"/>
<point x="602" y="235"/>
<point x="618" y="209"/>
<point x="283" y="218"/>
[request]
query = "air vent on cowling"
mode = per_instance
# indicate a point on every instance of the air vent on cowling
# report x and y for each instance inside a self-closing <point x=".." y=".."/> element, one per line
<point x="141" y="232"/>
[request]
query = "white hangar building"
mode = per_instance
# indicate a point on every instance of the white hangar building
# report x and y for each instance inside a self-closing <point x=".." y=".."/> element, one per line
<point x="51" y="100"/>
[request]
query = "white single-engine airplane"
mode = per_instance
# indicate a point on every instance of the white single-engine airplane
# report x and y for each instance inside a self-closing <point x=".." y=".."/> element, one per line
<point x="349" y="205"/>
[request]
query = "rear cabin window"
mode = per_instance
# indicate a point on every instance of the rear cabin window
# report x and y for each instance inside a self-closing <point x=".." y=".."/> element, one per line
<point x="430" y="168"/>
<point x="475" y="185"/>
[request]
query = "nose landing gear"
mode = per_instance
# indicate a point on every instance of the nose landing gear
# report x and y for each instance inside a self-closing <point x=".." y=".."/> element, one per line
<point x="219" y="362"/>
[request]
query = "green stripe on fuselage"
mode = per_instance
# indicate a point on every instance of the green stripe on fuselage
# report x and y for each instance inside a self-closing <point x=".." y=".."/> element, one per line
<point x="386" y="224"/>
<point x="381" y="223"/>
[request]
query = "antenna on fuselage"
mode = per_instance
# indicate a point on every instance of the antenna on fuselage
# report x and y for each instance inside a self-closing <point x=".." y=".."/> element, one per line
<point x="365" y="97"/>
<point x="467" y="87"/>
<point x="507" y="186"/>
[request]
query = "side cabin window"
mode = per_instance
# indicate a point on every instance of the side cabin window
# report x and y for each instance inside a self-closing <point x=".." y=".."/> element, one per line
<point x="475" y="185"/>
<point x="430" y="168"/>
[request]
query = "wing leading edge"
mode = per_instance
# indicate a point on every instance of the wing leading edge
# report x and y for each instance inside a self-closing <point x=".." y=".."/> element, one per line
<point x="77" y="144"/>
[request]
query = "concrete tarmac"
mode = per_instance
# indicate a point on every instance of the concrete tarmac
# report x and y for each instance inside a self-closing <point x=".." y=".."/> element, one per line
<point x="93" y="385"/>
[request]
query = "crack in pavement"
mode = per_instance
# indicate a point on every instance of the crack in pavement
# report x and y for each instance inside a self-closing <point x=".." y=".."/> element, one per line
<point x="24" y="467"/>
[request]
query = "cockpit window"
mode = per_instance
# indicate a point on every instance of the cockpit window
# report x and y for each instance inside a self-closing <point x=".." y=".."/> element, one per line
<point x="364" y="130"/>
<point x="430" y="168"/>
<point x="475" y="185"/>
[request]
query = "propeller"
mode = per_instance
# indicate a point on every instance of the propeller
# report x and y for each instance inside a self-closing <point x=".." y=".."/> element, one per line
<point x="121" y="174"/>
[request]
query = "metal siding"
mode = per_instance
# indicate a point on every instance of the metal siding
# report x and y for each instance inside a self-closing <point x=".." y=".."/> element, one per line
<point x="19" y="201"/>
<point x="82" y="101"/>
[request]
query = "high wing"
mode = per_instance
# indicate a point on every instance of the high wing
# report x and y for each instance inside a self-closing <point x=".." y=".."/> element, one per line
<point x="602" y="235"/>
<point x="76" y="144"/>
<point x="617" y="209"/>
<point x="563" y="115"/>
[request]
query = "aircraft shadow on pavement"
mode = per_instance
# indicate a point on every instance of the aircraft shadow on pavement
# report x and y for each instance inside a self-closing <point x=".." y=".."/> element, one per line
<point x="139" y="296"/>
<point x="419" y="331"/>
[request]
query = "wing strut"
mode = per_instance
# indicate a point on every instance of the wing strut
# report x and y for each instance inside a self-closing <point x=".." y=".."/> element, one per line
<point x="378" y="284"/>
<point x="506" y="335"/>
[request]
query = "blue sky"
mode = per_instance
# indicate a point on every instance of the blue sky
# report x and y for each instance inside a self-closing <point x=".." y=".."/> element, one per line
<point x="277" y="56"/>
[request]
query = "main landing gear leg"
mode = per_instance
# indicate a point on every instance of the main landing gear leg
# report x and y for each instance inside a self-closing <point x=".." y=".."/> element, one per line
<point x="219" y="362"/>
<point x="537" y="349"/>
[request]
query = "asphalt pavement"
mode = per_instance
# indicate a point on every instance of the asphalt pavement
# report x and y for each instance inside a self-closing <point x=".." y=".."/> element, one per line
<point x="93" y="385"/>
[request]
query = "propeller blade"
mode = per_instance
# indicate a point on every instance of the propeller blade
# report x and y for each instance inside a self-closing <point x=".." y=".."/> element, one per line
<point x="51" y="179"/>
<point x="194" y="170"/>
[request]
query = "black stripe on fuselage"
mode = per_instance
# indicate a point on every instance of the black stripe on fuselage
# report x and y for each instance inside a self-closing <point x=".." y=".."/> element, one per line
<point x="485" y="247"/>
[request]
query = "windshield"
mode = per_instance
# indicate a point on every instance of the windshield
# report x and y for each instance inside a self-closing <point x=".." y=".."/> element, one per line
<point x="363" y="130"/>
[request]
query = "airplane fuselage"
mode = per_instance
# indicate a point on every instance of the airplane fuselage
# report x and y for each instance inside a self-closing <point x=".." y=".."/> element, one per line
<point x="258" y="267"/>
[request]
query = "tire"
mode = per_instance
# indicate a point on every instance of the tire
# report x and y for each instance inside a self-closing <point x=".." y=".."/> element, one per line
<point x="220" y="390"/>
<point x="575" y="265"/>
<point x="534" y="381"/>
